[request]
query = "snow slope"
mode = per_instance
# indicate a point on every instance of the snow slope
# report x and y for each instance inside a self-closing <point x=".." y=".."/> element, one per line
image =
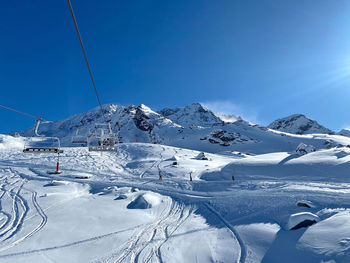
<point x="123" y="212"/>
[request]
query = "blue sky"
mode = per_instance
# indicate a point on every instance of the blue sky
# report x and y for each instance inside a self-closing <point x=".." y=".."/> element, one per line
<point x="261" y="59"/>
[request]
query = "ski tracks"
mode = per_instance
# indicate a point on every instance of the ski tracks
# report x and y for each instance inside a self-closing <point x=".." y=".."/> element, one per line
<point x="242" y="254"/>
<point x="11" y="228"/>
<point x="36" y="229"/>
<point x="145" y="246"/>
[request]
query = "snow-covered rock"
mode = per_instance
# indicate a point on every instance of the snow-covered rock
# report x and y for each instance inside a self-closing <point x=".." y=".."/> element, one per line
<point x="305" y="203"/>
<point x="329" y="238"/>
<point x="225" y="138"/>
<point x="202" y="156"/>
<point x="304" y="148"/>
<point x="302" y="219"/>
<point x="299" y="124"/>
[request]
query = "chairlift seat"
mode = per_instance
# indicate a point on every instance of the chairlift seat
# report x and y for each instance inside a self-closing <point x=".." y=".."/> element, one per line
<point x="42" y="150"/>
<point x="103" y="148"/>
<point x="79" y="141"/>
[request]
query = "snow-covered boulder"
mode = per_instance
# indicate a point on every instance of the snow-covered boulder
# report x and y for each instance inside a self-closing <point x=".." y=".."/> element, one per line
<point x="174" y="158"/>
<point x="201" y="156"/>
<point x="299" y="124"/>
<point x="330" y="238"/>
<point x="121" y="197"/>
<point x="303" y="219"/>
<point x="304" y="148"/>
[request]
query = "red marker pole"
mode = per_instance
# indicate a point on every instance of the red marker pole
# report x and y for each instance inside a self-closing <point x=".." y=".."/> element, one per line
<point x="58" y="164"/>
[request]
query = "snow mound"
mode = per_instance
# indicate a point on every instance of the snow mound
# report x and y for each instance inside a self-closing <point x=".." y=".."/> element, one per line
<point x="330" y="237"/>
<point x="302" y="219"/>
<point x="304" y="148"/>
<point x="139" y="203"/>
<point x="153" y="198"/>
<point x="56" y="183"/>
<point x="10" y="142"/>
<point x="257" y="238"/>
<point x="173" y="159"/>
<point x="145" y="201"/>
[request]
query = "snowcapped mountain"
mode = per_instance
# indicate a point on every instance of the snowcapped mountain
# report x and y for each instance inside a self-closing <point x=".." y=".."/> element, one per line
<point x="131" y="123"/>
<point x="192" y="115"/>
<point x="192" y="127"/>
<point x="344" y="132"/>
<point x="299" y="124"/>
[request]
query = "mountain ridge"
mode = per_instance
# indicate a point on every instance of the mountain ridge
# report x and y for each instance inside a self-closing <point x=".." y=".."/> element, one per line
<point x="299" y="124"/>
<point x="192" y="127"/>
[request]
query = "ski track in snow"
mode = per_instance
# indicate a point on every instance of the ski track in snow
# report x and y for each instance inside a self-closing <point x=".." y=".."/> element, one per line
<point x="242" y="254"/>
<point x="146" y="244"/>
<point x="67" y="245"/>
<point x="20" y="208"/>
<point x="36" y="229"/>
<point x="19" y="211"/>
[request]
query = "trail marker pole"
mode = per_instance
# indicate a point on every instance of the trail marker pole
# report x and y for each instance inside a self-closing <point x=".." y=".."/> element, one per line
<point x="58" y="163"/>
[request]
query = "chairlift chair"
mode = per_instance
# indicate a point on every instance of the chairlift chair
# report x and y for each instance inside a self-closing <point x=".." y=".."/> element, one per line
<point x="79" y="139"/>
<point x="102" y="139"/>
<point x="41" y="143"/>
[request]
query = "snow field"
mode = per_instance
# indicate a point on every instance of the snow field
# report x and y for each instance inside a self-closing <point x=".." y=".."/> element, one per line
<point x="63" y="218"/>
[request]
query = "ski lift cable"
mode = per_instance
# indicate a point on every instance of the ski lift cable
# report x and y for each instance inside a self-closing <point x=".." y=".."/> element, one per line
<point x="85" y="56"/>
<point x="23" y="113"/>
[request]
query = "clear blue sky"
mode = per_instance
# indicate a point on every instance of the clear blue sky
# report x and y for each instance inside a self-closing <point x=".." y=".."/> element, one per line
<point x="262" y="59"/>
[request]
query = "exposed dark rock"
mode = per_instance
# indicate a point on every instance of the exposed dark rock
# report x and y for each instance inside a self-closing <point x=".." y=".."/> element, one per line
<point x="213" y="141"/>
<point x="304" y="223"/>
<point x="304" y="204"/>
<point x="121" y="197"/>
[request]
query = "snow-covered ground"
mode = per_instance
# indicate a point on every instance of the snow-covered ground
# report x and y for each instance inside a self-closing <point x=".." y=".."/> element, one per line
<point x="123" y="212"/>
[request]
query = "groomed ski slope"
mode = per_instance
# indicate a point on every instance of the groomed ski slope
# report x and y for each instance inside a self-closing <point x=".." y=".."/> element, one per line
<point x="122" y="212"/>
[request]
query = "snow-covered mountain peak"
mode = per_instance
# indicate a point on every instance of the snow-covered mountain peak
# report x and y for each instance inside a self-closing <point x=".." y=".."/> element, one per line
<point x="299" y="124"/>
<point x="344" y="132"/>
<point x="194" y="114"/>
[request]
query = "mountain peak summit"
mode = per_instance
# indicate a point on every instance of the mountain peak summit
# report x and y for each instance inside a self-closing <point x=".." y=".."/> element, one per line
<point x="194" y="114"/>
<point x="299" y="124"/>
